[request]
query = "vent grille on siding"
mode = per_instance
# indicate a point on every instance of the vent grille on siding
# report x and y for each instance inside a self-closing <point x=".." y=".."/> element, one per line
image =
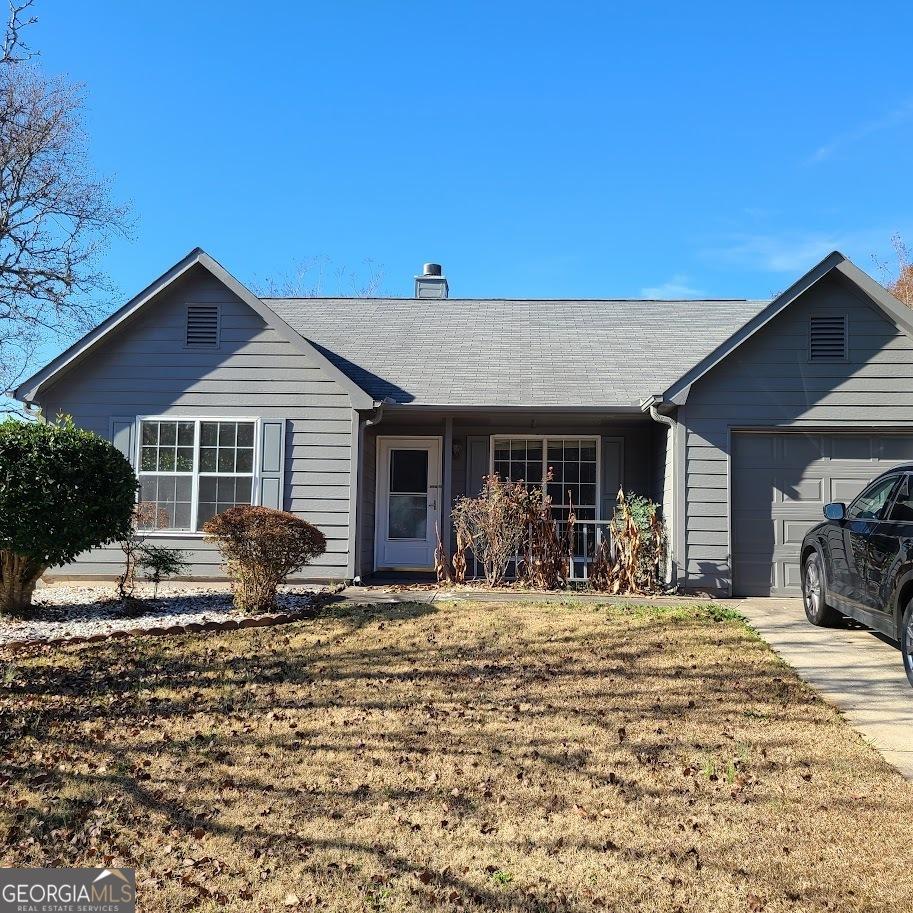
<point x="827" y="338"/>
<point x="202" y="326"/>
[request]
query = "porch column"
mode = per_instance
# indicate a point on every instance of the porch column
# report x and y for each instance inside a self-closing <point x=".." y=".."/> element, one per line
<point x="447" y="486"/>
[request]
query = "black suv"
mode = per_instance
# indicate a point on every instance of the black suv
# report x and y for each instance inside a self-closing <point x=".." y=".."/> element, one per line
<point x="859" y="562"/>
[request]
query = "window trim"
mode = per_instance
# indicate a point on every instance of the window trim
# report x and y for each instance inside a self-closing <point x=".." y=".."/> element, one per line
<point x="846" y="338"/>
<point x="194" y="533"/>
<point x="203" y="304"/>
<point x="554" y="437"/>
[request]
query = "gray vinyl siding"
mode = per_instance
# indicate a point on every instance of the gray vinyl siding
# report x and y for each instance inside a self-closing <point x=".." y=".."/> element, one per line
<point x="769" y="382"/>
<point x="145" y="370"/>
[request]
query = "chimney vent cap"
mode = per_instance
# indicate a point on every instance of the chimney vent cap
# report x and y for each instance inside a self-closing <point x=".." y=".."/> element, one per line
<point x="432" y="269"/>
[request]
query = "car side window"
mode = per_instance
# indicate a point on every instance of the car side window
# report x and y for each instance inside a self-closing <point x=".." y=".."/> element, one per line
<point x="902" y="508"/>
<point x="870" y="504"/>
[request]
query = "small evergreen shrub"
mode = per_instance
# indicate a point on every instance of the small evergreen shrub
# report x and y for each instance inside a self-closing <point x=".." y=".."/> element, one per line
<point x="62" y="490"/>
<point x="159" y="563"/>
<point x="261" y="547"/>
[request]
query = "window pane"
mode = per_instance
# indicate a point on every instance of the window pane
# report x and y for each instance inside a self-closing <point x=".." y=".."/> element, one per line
<point x="205" y="511"/>
<point x="166" y="460"/>
<point x="243" y="489"/>
<point x="246" y="434"/>
<point x="209" y="432"/>
<point x="150" y="432"/>
<point x="572" y="472"/>
<point x="518" y="450"/>
<point x="408" y="518"/>
<point x="168" y="433"/>
<point x="227" y="432"/>
<point x="225" y="490"/>
<point x="208" y="488"/>
<point x="164" y="503"/>
<point x="587" y="472"/>
<point x="147" y="459"/>
<point x="245" y="461"/>
<point x="555" y="451"/>
<point x="902" y="511"/>
<point x="207" y="459"/>
<point x="185" y="459"/>
<point x="185" y="434"/>
<point x="588" y="451"/>
<point x="409" y="470"/>
<point x="869" y="504"/>
<point x="226" y="461"/>
<point x="183" y="488"/>
<point x="182" y="515"/>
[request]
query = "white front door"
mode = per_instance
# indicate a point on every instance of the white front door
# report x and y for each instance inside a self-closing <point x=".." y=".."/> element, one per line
<point x="408" y="502"/>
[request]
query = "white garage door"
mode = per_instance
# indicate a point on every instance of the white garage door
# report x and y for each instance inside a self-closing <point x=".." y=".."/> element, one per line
<point x="779" y="485"/>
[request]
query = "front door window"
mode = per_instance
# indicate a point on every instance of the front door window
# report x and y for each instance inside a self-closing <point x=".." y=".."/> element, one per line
<point x="408" y="501"/>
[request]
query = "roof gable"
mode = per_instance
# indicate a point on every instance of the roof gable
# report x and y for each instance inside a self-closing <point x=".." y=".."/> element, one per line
<point x="29" y="389"/>
<point x="896" y="312"/>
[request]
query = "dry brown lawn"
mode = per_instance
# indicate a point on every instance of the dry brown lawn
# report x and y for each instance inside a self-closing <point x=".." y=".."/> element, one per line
<point x="456" y="757"/>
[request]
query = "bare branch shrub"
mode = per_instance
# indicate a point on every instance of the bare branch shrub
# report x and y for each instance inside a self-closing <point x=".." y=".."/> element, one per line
<point x="493" y="524"/>
<point x="546" y="561"/>
<point x="261" y="547"/>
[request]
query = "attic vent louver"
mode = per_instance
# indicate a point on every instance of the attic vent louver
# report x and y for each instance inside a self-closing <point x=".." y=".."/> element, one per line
<point x="202" y="326"/>
<point x="827" y="338"/>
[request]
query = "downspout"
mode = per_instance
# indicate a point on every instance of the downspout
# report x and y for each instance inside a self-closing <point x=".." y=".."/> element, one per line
<point x="671" y="519"/>
<point x="375" y="417"/>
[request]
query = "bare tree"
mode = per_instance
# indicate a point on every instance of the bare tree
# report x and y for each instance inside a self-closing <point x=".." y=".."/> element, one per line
<point x="319" y="277"/>
<point x="55" y="214"/>
<point x="898" y="280"/>
<point x="13" y="45"/>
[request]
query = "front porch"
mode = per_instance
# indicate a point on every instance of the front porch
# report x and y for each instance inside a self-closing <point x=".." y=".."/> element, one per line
<point x="416" y="463"/>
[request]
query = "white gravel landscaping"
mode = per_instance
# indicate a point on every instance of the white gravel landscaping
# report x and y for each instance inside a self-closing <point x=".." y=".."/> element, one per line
<point x="83" y="610"/>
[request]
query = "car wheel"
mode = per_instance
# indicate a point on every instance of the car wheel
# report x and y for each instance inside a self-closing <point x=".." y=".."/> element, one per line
<point x="814" y="594"/>
<point x="906" y="641"/>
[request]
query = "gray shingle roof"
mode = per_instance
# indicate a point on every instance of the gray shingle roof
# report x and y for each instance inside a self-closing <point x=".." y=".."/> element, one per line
<point x="514" y="353"/>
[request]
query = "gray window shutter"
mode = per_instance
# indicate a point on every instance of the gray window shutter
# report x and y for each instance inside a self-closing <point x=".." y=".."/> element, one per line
<point x="123" y="431"/>
<point x="272" y="462"/>
<point x="612" y="459"/>
<point x="477" y="464"/>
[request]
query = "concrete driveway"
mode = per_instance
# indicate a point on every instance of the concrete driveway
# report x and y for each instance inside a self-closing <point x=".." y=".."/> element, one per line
<point x="855" y="670"/>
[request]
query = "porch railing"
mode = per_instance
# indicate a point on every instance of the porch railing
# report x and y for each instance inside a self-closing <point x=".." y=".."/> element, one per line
<point x="588" y="536"/>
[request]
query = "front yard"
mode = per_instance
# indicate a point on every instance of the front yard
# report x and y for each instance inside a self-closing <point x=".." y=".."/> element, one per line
<point x="455" y="757"/>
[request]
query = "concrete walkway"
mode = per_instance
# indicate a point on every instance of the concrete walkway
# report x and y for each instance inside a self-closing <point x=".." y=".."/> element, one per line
<point x="853" y="669"/>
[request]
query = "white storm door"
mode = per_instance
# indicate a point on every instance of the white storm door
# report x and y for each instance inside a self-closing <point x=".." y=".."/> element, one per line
<point x="408" y="502"/>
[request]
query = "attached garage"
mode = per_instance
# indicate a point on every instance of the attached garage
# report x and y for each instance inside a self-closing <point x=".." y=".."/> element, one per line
<point x="780" y="482"/>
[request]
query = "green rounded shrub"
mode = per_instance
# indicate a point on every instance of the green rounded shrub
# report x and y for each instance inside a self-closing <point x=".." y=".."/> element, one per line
<point x="62" y="490"/>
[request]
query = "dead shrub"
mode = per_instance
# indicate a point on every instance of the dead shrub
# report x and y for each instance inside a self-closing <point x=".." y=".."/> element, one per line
<point x="493" y="525"/>
<point x="635" y="561"/>
<point x="546" y="563"/>
<point x="261" y="547"/>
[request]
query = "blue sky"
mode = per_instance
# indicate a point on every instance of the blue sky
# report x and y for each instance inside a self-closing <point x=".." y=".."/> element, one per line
<point x="535" y="149"/>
